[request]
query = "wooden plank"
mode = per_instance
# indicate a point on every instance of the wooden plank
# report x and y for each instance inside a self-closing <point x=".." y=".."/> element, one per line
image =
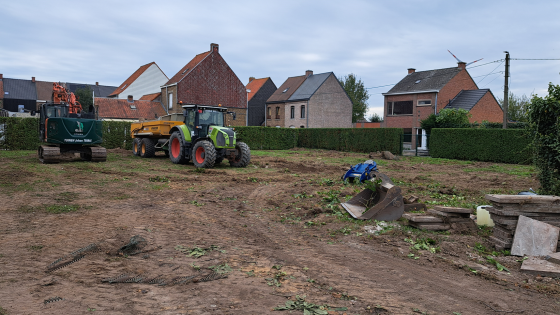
<point x="540" y="267"/>
<point x="525" y="199"/>
<point x="419" y="217"/>
<point x="453" y="209"/>
<point x="499" y="244"/>
<point x="554" y="258"/>
<point x="448" y="214"/>
<point x="534" y="238"/>
<point x="515" y="210"/>
<point x="502" y="234"/>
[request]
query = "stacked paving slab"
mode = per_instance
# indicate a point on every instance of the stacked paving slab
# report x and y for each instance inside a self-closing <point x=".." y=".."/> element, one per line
<point x="442" y="219"/>
<point x="506" y="209"/>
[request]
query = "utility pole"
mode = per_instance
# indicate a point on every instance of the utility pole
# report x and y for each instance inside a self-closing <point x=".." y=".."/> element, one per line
<point x="506" y="92"/>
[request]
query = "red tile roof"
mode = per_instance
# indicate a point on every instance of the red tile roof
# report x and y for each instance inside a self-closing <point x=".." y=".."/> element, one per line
<point x="289" y="86"/>
<point x="254" y="86"/>
<point x="150" y="97"/>
<point x="121" y="109"/>
<point x="131" y="79"/>
<point x="188" y="68"/>
<point x="44" y="90"/>
<point x="1" y="89"/>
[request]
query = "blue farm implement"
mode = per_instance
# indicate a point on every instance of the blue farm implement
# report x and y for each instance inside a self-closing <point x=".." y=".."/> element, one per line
<point x="362" y="171"/>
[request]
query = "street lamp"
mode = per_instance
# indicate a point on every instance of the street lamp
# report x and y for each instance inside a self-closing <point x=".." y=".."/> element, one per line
<point x="247" y="114"/>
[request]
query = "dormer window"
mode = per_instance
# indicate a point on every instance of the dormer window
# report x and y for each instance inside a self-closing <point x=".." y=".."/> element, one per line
<point x="286" y="90"/>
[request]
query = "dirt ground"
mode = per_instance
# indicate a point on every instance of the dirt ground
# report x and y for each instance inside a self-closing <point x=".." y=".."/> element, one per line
<point x="272" y="230"/>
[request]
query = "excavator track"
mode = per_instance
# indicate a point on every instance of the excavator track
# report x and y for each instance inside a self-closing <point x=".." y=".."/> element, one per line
<point x="49" y="154"/>
<point x="98" y="154"/>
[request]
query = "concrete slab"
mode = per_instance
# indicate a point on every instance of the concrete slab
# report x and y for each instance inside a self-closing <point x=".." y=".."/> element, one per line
<point x="540" y="267"/>
<point x="554" y="258"/>
<point x="534" y="238"/>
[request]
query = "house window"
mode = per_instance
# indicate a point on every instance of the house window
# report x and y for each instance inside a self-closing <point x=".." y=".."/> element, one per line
<point x="292" y="112"/>
<point x="399" y="108"/>
<point x="170" y="100"/>
<point x="425" y="103"/>
<point x="277" y="112"/>
<point x="302" y="111"/>
<point x="268" y="113"/>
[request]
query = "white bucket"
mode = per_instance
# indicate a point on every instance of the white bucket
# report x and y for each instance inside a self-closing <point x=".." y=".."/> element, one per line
<point x="483" y="216"/>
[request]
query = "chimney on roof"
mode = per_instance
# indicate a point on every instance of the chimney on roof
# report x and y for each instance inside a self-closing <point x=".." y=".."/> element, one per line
<point x="462" y="65"/>
<point x="411" y="70"/>
<point x="1" y="76"/>
<point x="33" y="79"/>
<point x="214" y="47"/>
<point x="130" y="98"/>
<point x="96" y="83"/>
<point x="251" y="79"/>
<point x="308" y="73"/>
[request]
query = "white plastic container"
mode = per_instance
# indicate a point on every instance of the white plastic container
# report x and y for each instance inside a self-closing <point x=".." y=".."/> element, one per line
<point x="483" y="216"/>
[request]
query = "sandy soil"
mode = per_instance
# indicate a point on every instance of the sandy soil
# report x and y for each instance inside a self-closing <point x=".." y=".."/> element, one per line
<point x="272" y="228"/>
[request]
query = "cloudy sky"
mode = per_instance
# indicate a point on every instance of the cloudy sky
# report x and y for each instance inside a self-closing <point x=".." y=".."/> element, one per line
<point x="106" y="41"/>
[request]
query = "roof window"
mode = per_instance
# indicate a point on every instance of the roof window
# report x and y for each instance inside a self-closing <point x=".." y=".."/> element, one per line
<point x="124" y="86"/>
<point x="286" y="90"/>
<point x="417" y="82"/>
<point x="185" y="71"/>
<point x="132" y="107"/>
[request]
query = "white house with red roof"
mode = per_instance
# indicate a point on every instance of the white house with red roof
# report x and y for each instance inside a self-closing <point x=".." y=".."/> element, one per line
<point x="148" y="79"/>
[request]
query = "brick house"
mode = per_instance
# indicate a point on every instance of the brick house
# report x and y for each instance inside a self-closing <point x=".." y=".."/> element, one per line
<point x="261" y="90"/>
<point x="481" y="104"/>
<point x="128" y="109"/>
<point x="148" y="79"/>
<point x="19" y="93"/>
<point x="422" y="93"/>
<point x="207" y="80"/>
<point x="310" y="101"/>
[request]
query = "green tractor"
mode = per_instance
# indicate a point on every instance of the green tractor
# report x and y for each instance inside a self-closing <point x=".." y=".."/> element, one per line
<point x="66" y="129"/>
<point x="199" y="136"/>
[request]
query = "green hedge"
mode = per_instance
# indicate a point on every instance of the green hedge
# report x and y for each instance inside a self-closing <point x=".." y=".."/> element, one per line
<point x="116" y="134"/>
<point x="263" y="138"/>
<point x="490" y="145"/>
<point x="19" y="133"/>
<point x="352" y="139"/>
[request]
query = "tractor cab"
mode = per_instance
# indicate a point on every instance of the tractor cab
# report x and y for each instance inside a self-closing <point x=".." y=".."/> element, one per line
<point x="201" y="119"/>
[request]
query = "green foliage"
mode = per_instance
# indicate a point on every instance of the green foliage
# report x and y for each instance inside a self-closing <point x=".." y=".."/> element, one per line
<point x="85" y="97"/>
<point x="517" y="107"/>
<point x="307" y="308"/>
<point x="491" y="145"/>
<point x="544" y="130"/>
<point x="447" y="118"/>
<point x="116" y="134"/>
<point x="264" y="138"/>
<point x="358" y="95"/>
<point x="352" y="139"/>
<point x="19" y="133"/>
<point x="429" y="123"/>
<point x="375" y="118"/>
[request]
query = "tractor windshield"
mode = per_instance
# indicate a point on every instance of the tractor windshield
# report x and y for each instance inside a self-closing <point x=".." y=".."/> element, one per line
<point x="211" y="117"/>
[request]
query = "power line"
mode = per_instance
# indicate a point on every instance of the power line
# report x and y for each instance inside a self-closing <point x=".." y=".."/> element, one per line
<point x="486" y="63"/>
<point x="531" y="59"/>
<point x="489" y="73"/>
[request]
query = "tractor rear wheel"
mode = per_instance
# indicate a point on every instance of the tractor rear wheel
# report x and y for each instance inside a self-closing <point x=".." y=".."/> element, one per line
<point x="242" y="156"/>
<point x="176" y="149"/>
<point x="147" y="148"/>
<point x="136" y="144"/>
<point x="204" y="154"/>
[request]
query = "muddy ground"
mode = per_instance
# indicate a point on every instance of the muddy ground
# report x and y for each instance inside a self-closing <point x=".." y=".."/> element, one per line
<point x="273" y="230"/>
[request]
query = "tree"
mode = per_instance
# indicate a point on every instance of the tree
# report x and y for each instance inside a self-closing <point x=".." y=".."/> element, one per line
<point x="375" y="118"/>
<point x="358" y="95"/>
<point x="517" y="107"/>
<point x="85" y="97"/>
<point x="447" y="118"/>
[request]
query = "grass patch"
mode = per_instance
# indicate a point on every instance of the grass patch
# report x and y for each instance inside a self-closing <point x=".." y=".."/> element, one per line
<point x="14" y="154"/>
<point x="438" y="161"/>
<point x="66" y="196"/>
<point x="510" y="169"/>
<point x="56" y="209"/>
<point x="3" y="311"/>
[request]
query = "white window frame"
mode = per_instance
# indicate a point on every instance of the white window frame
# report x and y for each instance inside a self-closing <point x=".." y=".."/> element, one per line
<point x="170" y="100"/>
<point x="418" y="103"/>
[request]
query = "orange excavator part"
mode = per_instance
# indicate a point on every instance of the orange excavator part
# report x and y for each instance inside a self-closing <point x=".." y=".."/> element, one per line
<point x="62" y="95"/>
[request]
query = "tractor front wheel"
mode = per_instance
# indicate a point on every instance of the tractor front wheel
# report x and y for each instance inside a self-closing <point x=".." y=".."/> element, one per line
<point x="176" y="149"/>
<point x="242" y="156"/>
<point x="204" y="154"/>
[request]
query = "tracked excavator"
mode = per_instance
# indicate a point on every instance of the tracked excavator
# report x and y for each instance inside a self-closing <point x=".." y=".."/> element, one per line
<point x="65" y="128"/>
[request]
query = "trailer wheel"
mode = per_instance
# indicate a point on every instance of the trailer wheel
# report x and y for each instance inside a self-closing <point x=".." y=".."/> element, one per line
<point x="176" y="149"/>
<point x="147" y="148"/>
<point x="242" y="156"/>
<point x="136" y="144"/>
<point x="204" y="154"/>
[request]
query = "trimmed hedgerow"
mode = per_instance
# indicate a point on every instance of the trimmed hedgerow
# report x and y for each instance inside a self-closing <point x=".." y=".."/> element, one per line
<point x="352" y="139"/>
<point x="263" y="138"/>
<point x="490" y="145"/>
<point x="116" y="134"/>
<point x="19" y="133"/>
